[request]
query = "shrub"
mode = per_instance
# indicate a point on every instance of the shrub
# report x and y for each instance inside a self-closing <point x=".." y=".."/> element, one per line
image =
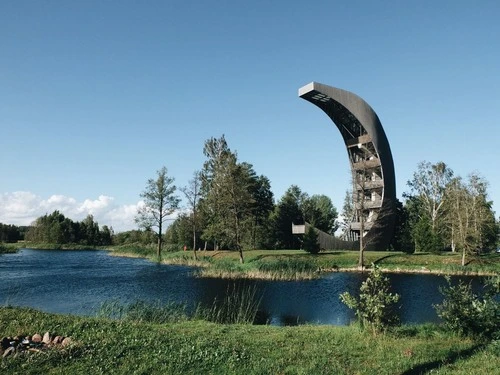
<point x="311" y="244"/>
<point x="376" y="306"/>
<point x="467" y="314"/>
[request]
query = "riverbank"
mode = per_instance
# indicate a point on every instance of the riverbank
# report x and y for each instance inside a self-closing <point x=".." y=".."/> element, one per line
<point x="196" y="347"/>
<point x="9" y="248"/>
<point x="299" y="265"/>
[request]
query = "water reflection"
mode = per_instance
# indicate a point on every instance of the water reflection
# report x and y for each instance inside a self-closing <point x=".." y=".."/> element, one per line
<point x="78" y="282"/>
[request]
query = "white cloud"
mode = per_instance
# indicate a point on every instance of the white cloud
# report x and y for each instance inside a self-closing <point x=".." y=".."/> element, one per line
<point x="23" y="207"/>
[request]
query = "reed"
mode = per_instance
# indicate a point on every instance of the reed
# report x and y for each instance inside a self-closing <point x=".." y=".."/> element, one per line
<point x="142" y="311"/>
<point x="239" y="305"/>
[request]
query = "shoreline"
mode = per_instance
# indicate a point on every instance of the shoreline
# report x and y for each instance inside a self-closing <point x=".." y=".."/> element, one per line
<point x="206" y="271"/>
<point x="222" y="264"/>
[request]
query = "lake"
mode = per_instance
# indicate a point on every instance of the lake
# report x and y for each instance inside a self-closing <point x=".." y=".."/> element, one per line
<point x="78" y="282"/>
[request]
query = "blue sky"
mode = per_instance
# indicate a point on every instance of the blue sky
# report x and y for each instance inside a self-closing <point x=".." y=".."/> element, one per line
<point x="95" y="96"/>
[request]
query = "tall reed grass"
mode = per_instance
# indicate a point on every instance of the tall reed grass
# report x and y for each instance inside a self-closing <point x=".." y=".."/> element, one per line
<point x="239" y="305"/>
<point x="289" y="268"/>
<point x="142" y="311"/>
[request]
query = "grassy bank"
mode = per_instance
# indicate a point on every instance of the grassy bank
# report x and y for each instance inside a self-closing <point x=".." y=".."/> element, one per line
<point x="9" y="248"/>
<point x="198" y="347"/>
<point x="297" y="264"/>
<point x="52" y="246"/>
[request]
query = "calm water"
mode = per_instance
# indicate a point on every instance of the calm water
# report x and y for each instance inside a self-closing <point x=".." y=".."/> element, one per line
<point x="77" y="282"/>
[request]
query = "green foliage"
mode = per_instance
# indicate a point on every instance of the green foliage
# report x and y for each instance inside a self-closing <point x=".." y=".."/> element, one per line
<point x="402" y="240"/>
<point x="467" y="314"/>
<point x="160" y="201"/>
<point x="425" y="238"/>
<point x="376" y="306"/>
<point x="239" y="305"/>
<point x="227" y="187"/>
<point x="9" y="233"/>
<point x="286" y="212"/>
<point x="136" y="237"/>
<point x="6" y="248"/>
<point x="58" y="229"/>
<point x="311" y="244"/>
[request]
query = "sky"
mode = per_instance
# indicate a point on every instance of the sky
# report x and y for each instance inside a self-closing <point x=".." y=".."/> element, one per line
<point x="96" y="96"/>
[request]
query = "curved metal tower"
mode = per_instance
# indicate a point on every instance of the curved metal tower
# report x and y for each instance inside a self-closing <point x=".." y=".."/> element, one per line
<point x="372" y="167"/>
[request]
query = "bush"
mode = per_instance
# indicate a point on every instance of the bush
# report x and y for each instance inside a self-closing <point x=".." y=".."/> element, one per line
<point x="376" y="306"/>
<point x="311" y="244"/>
<point x="465" y="313"/>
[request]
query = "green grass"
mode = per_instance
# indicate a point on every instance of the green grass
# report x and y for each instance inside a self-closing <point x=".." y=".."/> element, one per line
<point x="55" y="246"/>
<point x="297" y="264"/>
<point x="105" y="346"/>
<point x="9" y="248"/>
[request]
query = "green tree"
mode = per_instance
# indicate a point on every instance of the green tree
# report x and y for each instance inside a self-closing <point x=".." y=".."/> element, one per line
<point x="261" y="209"/>
<point x="227" y="198"/>
<point x="470" y="216"/>
<point x="192" y="192"/>
<point x="9" y="233"/>
<point x="217" y="152"/>
<point x="402" y="239"/>
<point x="319" y="211"/>
<point x="286" y="212"/>
<point x="347" y="214"/>
<point x="160" y="201"/>
<point x="310" y="241"/>
<point x="376" y="305"/>
<point x="430" y="184"/>
<point x="468" y="314"/>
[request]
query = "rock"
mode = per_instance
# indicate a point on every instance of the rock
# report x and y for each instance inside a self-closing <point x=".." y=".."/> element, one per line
<point x="36" y="338"/>
<point x="9" y="351"/>
<point x="57" y="340"/>
<point x="66" y="341"/>
<point x="46" y="338"/>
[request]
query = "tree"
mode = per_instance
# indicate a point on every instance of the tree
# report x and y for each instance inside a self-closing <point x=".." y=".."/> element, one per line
<point x="160" y="201"/>
<point x="470" y="216"/>
<point x="376" y="306"/>
<point x="467" y="314"/>
<point x="227" y="198"/>
<point x="192" y="192"/>
<point x="348" y="213"/>
<point x="286" y="212"/>
<point x="310" y="241"/>
<point x="430" y="183"/>
<point x="262" y="207"/>
<point x="216" y="151"/>
<point x="319" y="211"/>
<point x="402" y="239"/>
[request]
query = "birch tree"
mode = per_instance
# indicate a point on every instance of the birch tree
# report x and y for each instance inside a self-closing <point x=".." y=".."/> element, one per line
<point x="192" y="192"/>
<point x="160" y="201"/>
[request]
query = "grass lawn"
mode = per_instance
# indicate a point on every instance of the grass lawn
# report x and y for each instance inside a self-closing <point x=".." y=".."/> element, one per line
<point x="106" y="346"/>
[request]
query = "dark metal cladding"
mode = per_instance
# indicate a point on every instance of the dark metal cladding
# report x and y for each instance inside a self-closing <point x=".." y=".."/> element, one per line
<point x="372" y="167"/>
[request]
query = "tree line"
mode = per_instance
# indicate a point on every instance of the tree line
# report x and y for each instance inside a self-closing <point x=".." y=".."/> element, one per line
<point x="12" y="233"/>
<point x="230" y="206"/>
<point x="444" y="211"/>
<point x="55" y="228"/>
